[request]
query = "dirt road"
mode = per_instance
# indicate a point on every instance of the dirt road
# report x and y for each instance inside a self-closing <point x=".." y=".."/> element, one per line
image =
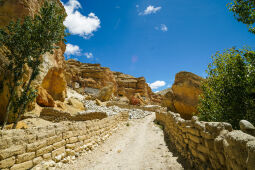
<point x="139" y="146"/>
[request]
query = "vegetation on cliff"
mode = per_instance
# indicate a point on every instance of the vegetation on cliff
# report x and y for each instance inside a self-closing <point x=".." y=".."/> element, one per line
<point x="26" y="41"/>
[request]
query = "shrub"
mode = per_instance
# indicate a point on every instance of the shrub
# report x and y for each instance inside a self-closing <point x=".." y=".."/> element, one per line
<point x="229" y="90"/>
<point x="26" y="41"/>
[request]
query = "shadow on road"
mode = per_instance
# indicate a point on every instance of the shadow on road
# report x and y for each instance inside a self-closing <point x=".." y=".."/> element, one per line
<point x="180" y="159"/>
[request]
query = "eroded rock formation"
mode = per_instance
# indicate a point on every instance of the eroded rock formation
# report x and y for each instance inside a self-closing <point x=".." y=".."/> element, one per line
<point x="183" y="97"/>
<point x="11" y="10"/>
<point x="92" y="76"/>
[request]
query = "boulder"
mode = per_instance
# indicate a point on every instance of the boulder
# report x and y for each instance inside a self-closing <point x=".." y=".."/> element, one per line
<point x="106" y="93"/>
<point x="76" y="103"/>
<point x="247" y="127"/>
<point x="55" y="83"/>
<point x="44" y="99"/>
<point x="168" y="101"/>
<point x="183" y="97"/>
<point x="99" y="103"/>
<point x="135" y="101"/>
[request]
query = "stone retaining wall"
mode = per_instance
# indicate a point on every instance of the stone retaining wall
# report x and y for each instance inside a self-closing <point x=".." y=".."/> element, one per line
<point x="209" y="145"/>
<point x="24" y="149"/>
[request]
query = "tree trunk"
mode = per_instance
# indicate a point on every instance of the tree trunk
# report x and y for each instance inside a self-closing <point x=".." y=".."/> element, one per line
<point x="23" y="106"/>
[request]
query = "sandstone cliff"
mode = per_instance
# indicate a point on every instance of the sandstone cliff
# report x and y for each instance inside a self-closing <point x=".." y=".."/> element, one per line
<point x="82" y="76"/>
<point x="184" y="95"/>
<point x="11" y="10"/>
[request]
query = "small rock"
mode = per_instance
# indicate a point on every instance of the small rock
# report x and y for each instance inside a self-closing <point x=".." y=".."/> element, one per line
<point x="247" y="127"/>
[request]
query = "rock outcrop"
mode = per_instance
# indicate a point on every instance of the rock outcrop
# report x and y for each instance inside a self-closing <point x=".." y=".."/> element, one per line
<point x="92" y="77"/>
<point x="44" y="99"/>
<point x="11" y="10"/>
<point x="81" y="75"/>
<point x="183" y="97"/>
<point x="55" y="83"/>
<point x="128" y="86"/>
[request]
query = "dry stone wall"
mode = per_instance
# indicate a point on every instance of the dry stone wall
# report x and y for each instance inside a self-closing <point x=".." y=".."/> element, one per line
<point x="209" y="145"/>
<point x="24" y="149"/>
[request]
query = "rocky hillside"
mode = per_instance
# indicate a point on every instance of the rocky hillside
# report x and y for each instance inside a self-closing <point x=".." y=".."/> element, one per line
<point x="90" y="78"/>
<point x="52" y="66"/>
<point x="183" y="96"/>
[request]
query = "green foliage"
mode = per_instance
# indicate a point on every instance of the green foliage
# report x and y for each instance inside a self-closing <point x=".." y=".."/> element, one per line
<point x="244" y="11"/>
<point x="229" y="90"/>
<point x="26" y="41"/>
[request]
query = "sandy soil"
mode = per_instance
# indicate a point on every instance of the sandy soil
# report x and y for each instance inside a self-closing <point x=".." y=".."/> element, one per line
<point x="139" y="146"/>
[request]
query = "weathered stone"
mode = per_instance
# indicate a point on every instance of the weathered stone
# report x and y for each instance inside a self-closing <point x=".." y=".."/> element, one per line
<point x="55" y="83"/>
<point x="36" y="145"/>
<point x="37" y="160"/>
<point x="67" y="134"/>
<point x="194" y="138"/>
<point x="25" y="157"/>
<point x="186" y="90"/>
<point x="72" y="140"/>
<point x="22" y="166"/>
<point x="57" y="152"/>
<point x="70" y="152"/>
<point x="202" y="149"/>
<point x="53" y="139"/>
<point x="44" y="99"/>
<point x="47" y="156"/>
<point x="70" y="146"/>
<point x="247" y="127"/>
<point x="106" y="93"/>
<point x="221" y="158"/>
<point x="59" y="144"/>
<point x="76" y="103"/>
<point x="13" y="150"/>
<point x="251" y="155"/>
<point x="202" y="157"/>
<point x="44" y="150"/>
<point x="6" y="163"/>
<point x="82" y="138"/>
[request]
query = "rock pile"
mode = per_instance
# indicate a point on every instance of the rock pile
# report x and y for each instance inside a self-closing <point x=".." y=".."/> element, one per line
<point x="113" y="110"/>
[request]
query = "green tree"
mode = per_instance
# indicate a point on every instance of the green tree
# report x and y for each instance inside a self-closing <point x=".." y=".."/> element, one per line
<point x="229" y="90"/>
<point x="26" y="41"/>
<point x="244" y="11"/>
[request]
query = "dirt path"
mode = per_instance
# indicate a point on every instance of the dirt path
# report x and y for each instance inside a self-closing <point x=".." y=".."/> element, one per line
<point x="139" y="146"/>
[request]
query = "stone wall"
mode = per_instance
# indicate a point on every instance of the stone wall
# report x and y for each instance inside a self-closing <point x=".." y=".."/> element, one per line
<point x="24" y="149"/>
<point x="209" y="145"/>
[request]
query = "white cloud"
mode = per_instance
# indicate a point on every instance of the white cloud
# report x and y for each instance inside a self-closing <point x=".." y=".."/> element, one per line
<point x="150" y="10"/>
<point x="89" y="55"/>
<point x="163" y="28"/>
<point x="157" y="84"/>
<point x="72" y="50"/>
<point x="79" y="24"/>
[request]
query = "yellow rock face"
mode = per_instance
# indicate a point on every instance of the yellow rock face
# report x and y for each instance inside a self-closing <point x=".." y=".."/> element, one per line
<point x="55" y="83"/>
<point x="10" y="10"/>
<point x="183" y="98"/>
<point x="44" y="99"/>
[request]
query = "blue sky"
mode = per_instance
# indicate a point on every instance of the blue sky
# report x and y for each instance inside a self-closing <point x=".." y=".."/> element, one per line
<point x="152" y="38"/>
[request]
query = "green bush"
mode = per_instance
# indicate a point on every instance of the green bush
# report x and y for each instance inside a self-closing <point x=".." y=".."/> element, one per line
<point x="229" y="90"/>
<point x="26" y="41"/>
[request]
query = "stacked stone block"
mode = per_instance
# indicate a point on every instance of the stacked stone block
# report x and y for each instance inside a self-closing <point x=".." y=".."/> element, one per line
<point x="209" y="145"/>
<point x="24" y="149"/>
